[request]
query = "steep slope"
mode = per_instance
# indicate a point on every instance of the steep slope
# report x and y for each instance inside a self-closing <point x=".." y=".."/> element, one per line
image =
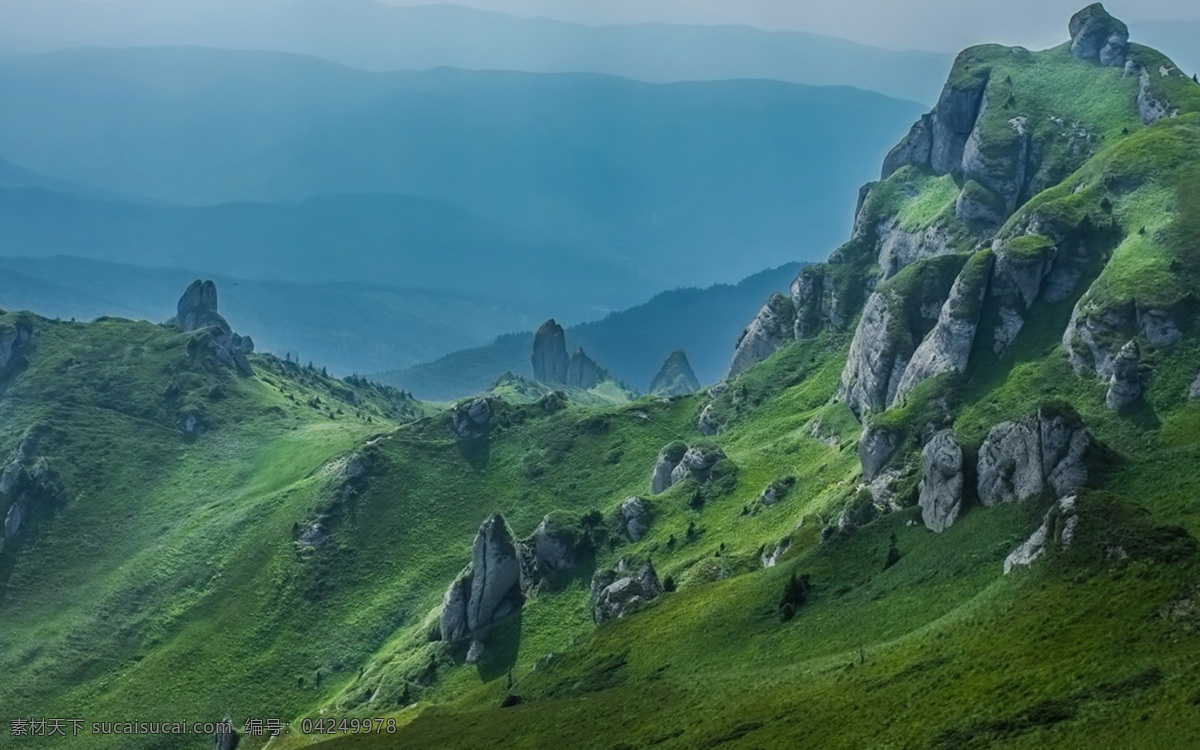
<point x="631" y="343"/>
<point x="430" y="36"/>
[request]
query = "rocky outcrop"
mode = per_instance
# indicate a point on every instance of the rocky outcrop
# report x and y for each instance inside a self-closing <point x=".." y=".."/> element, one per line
<point x="668" y="458"/>
<point x="675" y="377"/>
<point x="1022" y="264"/>
<point x="15" y="342"/>
<point x="550" y="359"/>
<point x="1058" y="526"/>
<point x="816" y="303"/>
<point x="771" y="559"/>
<point x="877" y="358"/>
<point x="197" y="311"/>
<point x="229" y="739"/>
<point x="776" y="491"/>
<point x="1125" y="385"/>
<point x="953" y="120"/>
<point x="772" y="328"/>
<point x="549" y="550"/>
<point x="583" y="372"/>
<point x="635" y="518"/>
<point x="1098" y="37"/>
<point x="1098" y="332"/>
<point x="1042" y="453"/>
<point x="708" y="424"/>
<point x="697" y="463"/>
<point x="875" y="449"/>
<point x="947" y="348"/>
<point x="27" y="489"/>
<point x="1003" y="169"/>
<point x="488" y="589"/>
<point x="616" y="595"/>
<point x="1151" y="106"/>
<point x="899" y="248"/>
<point x="472" y="419"/>
<point x="915" y="148"/>
<point x="941" y="489"/>
<point x="1194" y="390"/>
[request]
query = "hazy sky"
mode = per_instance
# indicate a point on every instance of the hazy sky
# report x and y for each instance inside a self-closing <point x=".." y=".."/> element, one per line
<point x="928" y="24"/>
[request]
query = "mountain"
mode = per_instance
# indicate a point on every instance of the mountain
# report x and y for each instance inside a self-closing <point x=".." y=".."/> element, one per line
<point x="335" y="324"/>
<point x="374" y="36"/>
<point x="631" y="343"/>
<point x="956" y="509"/>
<point x="657" y="182"/>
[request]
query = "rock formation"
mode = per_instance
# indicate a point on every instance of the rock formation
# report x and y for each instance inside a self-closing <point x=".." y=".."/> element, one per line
<point x="227" y="740"/>
<point x="668" y="458"/>
<point x="1058" y="525"/>
<point x="875" y="449"/>
<point x="675" y="377"/>
<point x="1125" y="385"/>
<point x="696" y="463"/>
<point x="708" y="423"/>
<point x="550" y="549"/>
<point x="771" y="329"/>
<point x="771" y="559"/>
<point x="15" y="342"/>
<point x="583" y="372"/>
<point x="616" y="595"/>
<point x="27" y="489"/>
<point x="1021" y="460"/>
<point x="816" y="302"/>
<point x="941" y="490"/>
<point x="550" y="353"/>
<point x="635" y="518"/>
<point x="472" y="419"/>
<point x="1098" y="37"/>
<point x="197" y="311"/>
<point x="877" y="358"/>
<point x="487" y="589"/>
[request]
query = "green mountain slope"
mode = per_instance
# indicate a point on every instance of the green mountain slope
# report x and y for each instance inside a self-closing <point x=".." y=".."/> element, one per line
<point x="951" y="505"/>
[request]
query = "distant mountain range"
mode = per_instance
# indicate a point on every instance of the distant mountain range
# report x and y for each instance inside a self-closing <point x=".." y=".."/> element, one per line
<point x="588" y="193"/>
<point x="375" y="36"/>
<point x="630" y="344"/>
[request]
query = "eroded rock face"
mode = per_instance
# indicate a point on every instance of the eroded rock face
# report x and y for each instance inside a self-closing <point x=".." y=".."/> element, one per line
<point x="196" y="311"/>
<point x="1058" y="526"/>
<point x="1003" y="172"/>
<point x="899" y="248"/>
<point x="549" y="550"/>
<point x="941" y="490"/>
<point x="583" y="372"/>
<point x="915" y="149"/>
<point x="668" y="459"/>
<point x="1098" y="37"/>
<point x="15" y="343"/>
<point x="615" y="594"/>
<point x="947" y="348"/>
<point x="771" y="329"/>
<point x="472" y="419"/>
<point x="227" y="740"/>
<point x="1021" y="460"/>
<point x="877" y="358"/>
<point x="770" y="559"/>
<point x="550" y="359"/>
<point x="697" y="463"/>
<point x="675" y="377"/>
<point x="1017" y="278"/>
<point x="27" y="488"/>
<point x="953" y="120"/>
<point x="815" y="300"/>
<point x="635" y="517"/>
<point x="1125" y="385"/>
<point x="476" y="598"/>
<point x="875" y="449"/>
<point x="708" y="424"/>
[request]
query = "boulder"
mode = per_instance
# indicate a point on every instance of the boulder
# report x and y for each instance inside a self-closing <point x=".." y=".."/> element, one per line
<point x="1125" y="385"/>
<point x="875" y="449"/>
<point x="675" y="377"/>
<point x="1098" y="37"/>
<point x="477" y="597"/>
<point x="1152" y="106"/>
<point x="471" y="419"/>
<point x="197" y="309"/>
<point x="550" y="549"/>
<point x="770" y="559"/>
<point x="954" y="119"/>
<point x="941" y="489"/>
<point x="878" y="356"/>
<point x="27" y="488"/>
<point x="697" y="463"/>
<point x="15" y="341"/>
<point x="550" y="359"/>
<point x="1022" y="265"/>
<point x="980" y="207"/>
<point x="615" y="595"/>
<point x="635" y="518"/>
<point x="1194" y="390"/>
<point x="1021" y="460"/>
<point x="947" y="348"/>
<point x="1003" y="170"/>
<point x="664" y="468"/>
<point x="708" y="424"/>
<point x="771" y="329"/>
<point x="898" y="248"/>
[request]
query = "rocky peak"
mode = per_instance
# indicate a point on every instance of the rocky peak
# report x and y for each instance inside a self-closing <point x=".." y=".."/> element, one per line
<point x="771" y="329"/>
<point x="486" y="589"/>
<point x="583" y="372"/>
<point x="1098" y="37"/>
<point x="550" y="360"/>
<point x="197" y="308"/>
<point x="675" y="377"/>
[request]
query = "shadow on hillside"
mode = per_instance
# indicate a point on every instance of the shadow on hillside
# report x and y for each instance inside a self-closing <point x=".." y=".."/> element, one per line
<point x="503" y="645"/>
<point x="476" y="452"/>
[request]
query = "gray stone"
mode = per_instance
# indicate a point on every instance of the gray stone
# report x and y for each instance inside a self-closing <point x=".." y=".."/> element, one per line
<point x="1194" y="391"/>
<point x="771" y="329"/>
<point x="1021" y="460"/>
<point x="635" y="517"/>
<point x="15" y="343"/>
<point x="1058" y="525"/>
<point x="1125" y="385"/>
<point x="471" y="419"/>
<point x="708" y="424"/>
<point x="550" y="359"/>
<point x="979" y="206"/>
<point x="947" y="348"/>
<point x="664" y="468"/>
<point x="1003" y="170"/>
<point x="227" y="740"/>
<point x="475" y="651"/>
<point x="13" y="519"/>
<point x="697" y="463"/>
<point x="941" y="490"/>
<point x="1098" y="37"/>
<point x="815" y="299"/>
<point x="1091" y="336"/>
<point x="1064" y="443"/>
<point x="914" y="150"/>
<point x="1152" y="107"/>
<point x="877" y="358"/>
<point x="583" y="372"/>
<point x="474" y="600"/>
<point x="615" y="595"/>
<point x="771" y="559"/>
<point x="875" y="449"/>
<point x="899" y="248"/>
<point x="953" y="120"/>
<point x="453" y="622"/>
<point x="675" y="377"/>
<point x="197" y="309"/>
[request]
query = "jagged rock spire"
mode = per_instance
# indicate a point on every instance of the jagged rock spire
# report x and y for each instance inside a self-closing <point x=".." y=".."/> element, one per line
<point x="1098" y="37"/>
